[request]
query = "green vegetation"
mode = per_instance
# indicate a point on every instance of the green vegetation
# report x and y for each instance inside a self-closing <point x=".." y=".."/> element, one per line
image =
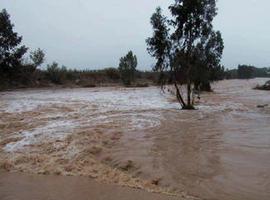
<point x="186" y="48"/>
<point x="17" y="72"/>
<point x="56" y="74"/>
<point x="37" y="57"/>
<point x="247" y="72"/>
<point x="11" y="51"/>
<point x="127" y="68"/>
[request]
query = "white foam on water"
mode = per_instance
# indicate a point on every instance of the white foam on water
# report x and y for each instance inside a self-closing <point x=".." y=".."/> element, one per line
<point x="54" y="130"/>
<point x="106" y="99"/>
<point x="131" y="108"/>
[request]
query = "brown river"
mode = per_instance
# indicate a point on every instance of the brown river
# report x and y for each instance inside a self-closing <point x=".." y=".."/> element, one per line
<point x="141" y="139"/>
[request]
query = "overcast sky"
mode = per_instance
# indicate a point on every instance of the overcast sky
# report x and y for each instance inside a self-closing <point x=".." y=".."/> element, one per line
<point x="95" y="34"/>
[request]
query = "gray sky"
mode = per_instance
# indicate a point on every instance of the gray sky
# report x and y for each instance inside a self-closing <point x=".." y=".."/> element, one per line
<point x="95" y="34"/>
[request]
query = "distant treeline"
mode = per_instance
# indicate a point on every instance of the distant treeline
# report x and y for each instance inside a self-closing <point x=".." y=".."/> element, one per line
<point x="247" y="72"/>
<point x="29" y="76"/>
<point x="19" y="71"/>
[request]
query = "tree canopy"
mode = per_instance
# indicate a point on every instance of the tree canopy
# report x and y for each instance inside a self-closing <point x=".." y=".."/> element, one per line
<point x="127" y="68"/>
<point x="186" y="46"/>
<point x="11" y="53"/>
<point x="37" y="57"/>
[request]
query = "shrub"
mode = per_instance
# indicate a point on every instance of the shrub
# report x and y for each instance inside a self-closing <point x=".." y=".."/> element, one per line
<point x="56" y="74"/>
<point x="112" y="73"/>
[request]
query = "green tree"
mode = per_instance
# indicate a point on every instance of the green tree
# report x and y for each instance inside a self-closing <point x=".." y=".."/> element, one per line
<point x="245" y="71"/>
<point x="208" y="54"/>
<point x="188" y="47"/>
<point x="37" y="57"/>
<point x="159" y="45"/>
<point x="54" y="73"/>
<point x="127" y="68"/>
<point x="11" y="53"/>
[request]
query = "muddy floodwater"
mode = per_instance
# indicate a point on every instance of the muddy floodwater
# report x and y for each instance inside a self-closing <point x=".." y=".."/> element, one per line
<point x="141" y="139"/>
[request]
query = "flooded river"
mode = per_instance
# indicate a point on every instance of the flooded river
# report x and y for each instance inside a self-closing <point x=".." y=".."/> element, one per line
<point x="140" y="138"/>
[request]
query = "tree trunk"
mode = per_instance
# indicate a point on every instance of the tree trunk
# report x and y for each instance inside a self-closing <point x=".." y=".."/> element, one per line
<point x="179" y="96"/>
<point x="189" y="105"/>
<point x="189" y="93"/>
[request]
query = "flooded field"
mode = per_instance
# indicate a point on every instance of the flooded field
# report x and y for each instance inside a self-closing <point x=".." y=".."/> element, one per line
<point x="140" y="138"/>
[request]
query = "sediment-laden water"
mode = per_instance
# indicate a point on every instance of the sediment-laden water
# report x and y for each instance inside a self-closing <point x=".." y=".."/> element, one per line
<point x="140" y="138"/>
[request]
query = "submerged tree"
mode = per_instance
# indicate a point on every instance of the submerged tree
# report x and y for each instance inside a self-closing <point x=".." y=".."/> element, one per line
<point x="11" y="53"/>
<point x="189" y="49"/>
<point x="127" y="68"/>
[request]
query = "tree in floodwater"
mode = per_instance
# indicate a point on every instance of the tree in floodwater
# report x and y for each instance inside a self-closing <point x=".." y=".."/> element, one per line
<point x="11" y="53"/>
<point x="186" y="47"/>
<point x="127" y="68"/>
